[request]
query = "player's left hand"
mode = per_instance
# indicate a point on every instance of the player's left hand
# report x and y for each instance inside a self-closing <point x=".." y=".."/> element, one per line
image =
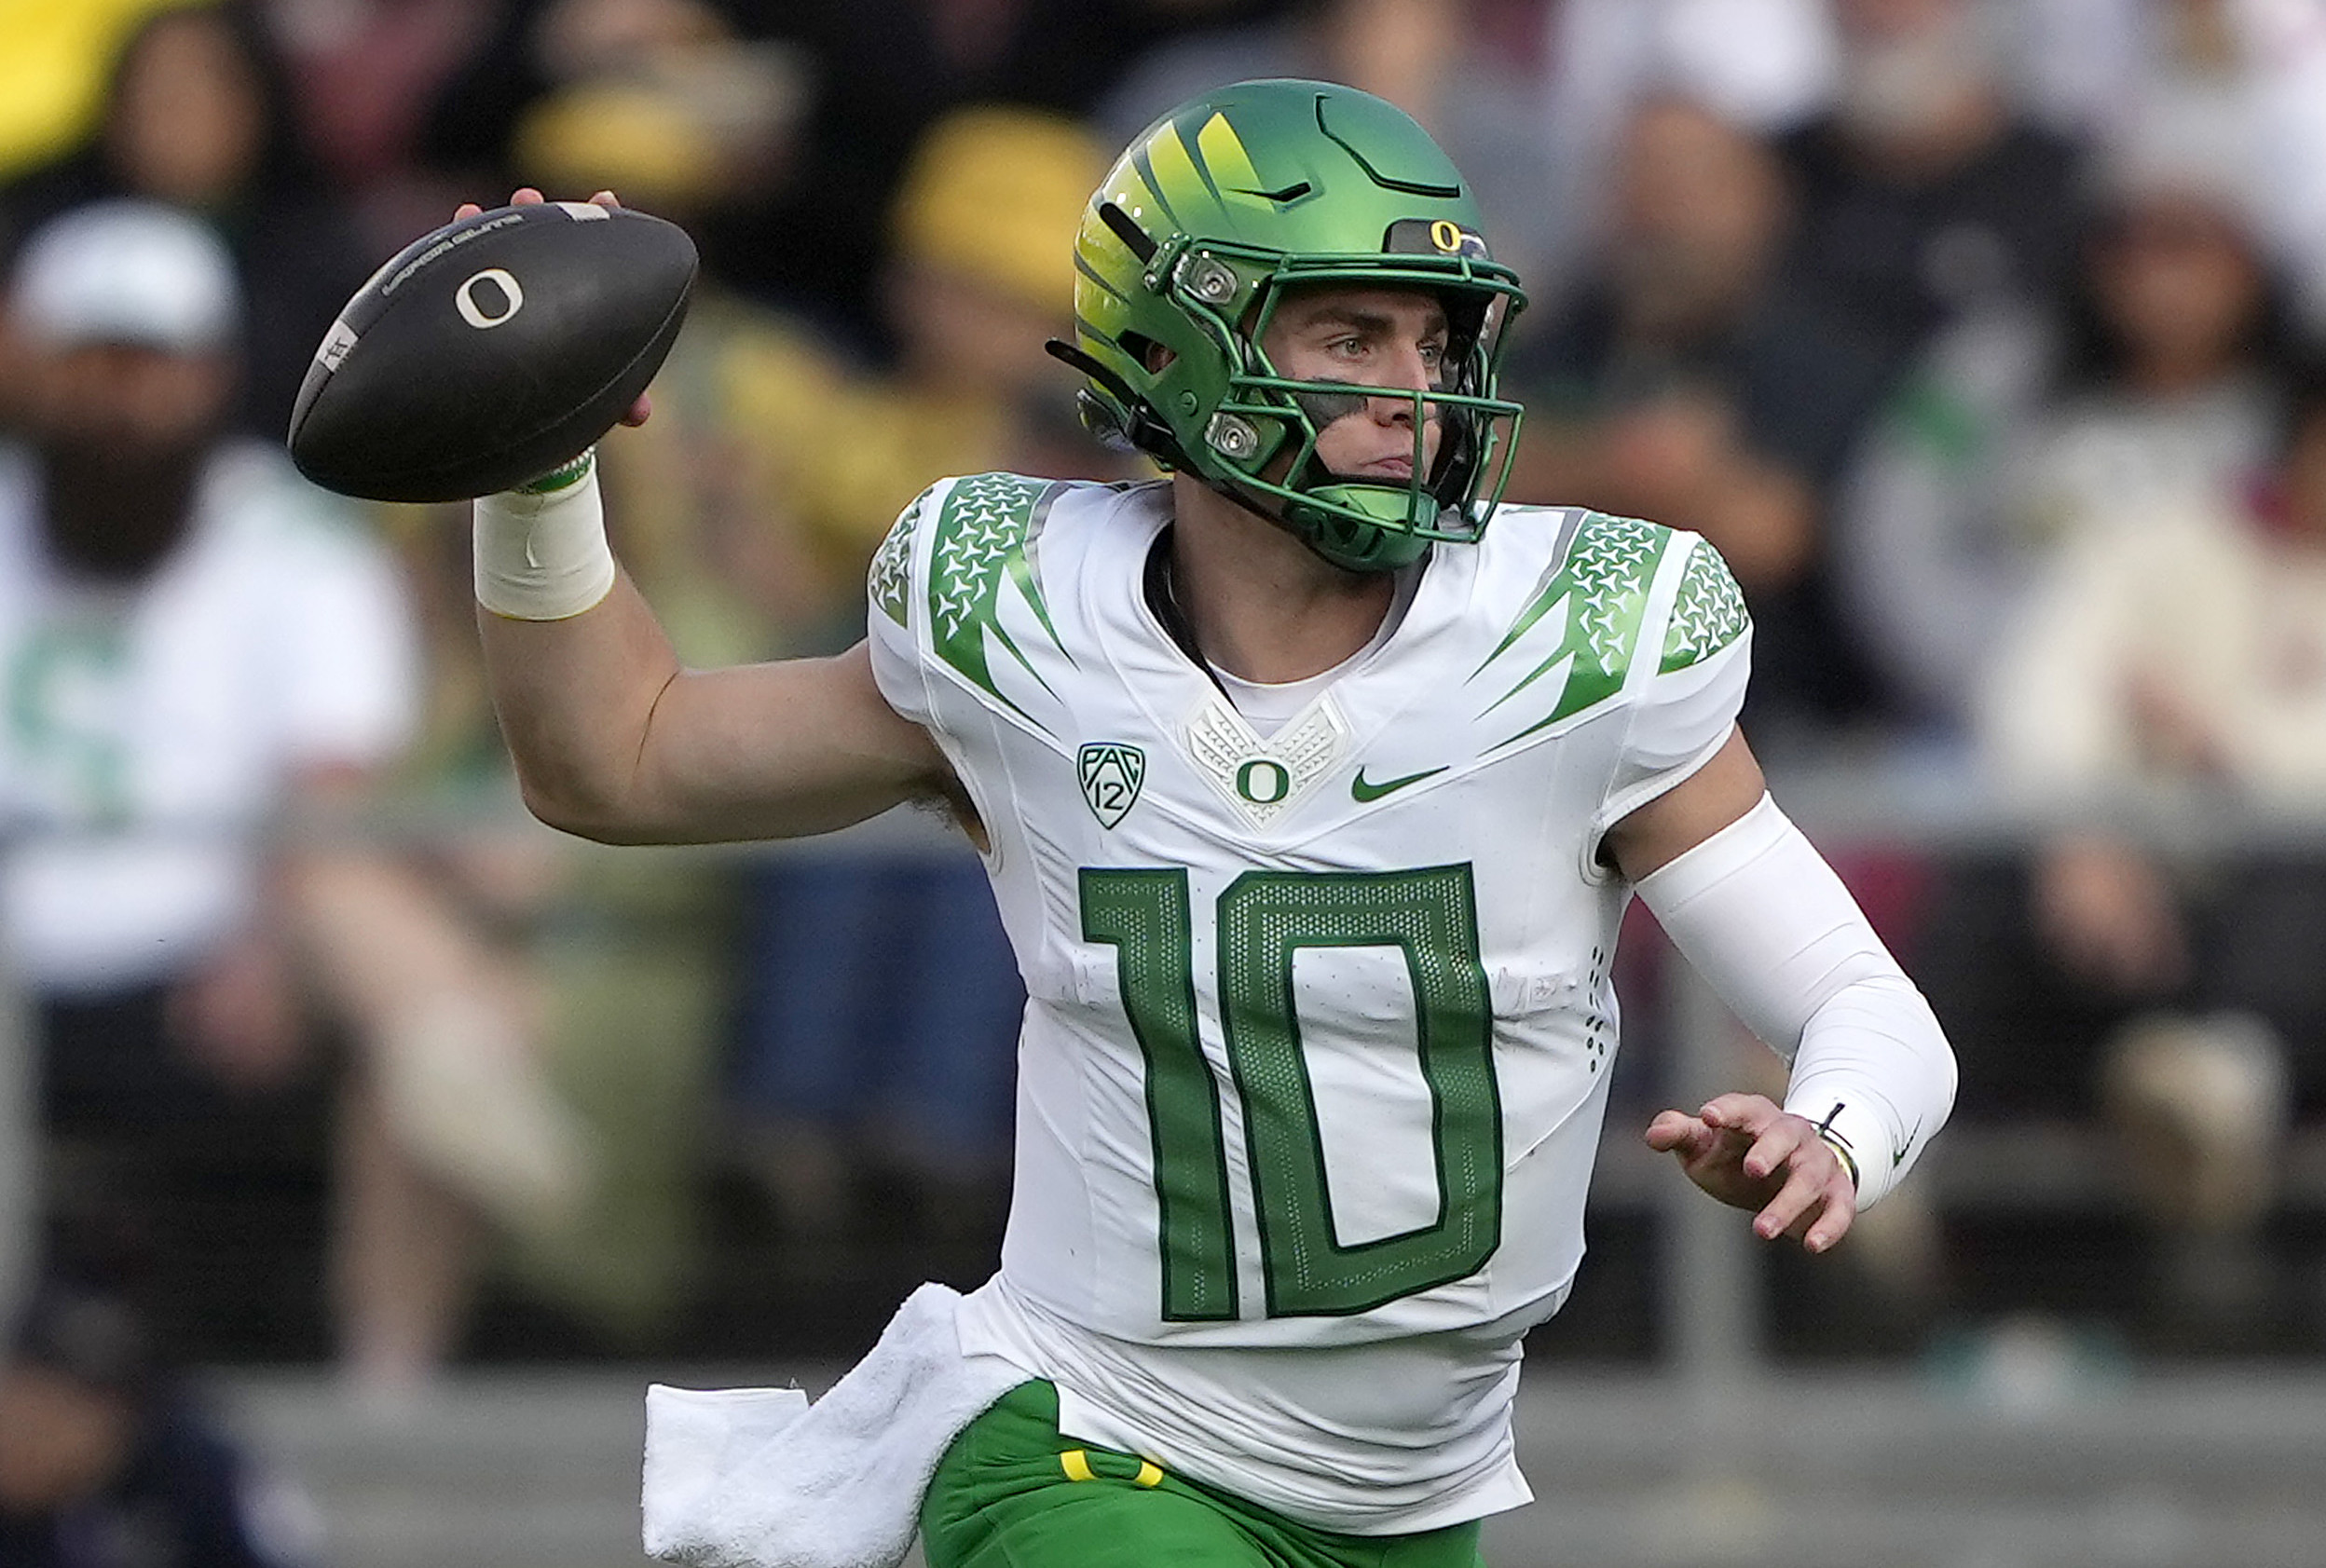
<point x="1749" y="1154"/>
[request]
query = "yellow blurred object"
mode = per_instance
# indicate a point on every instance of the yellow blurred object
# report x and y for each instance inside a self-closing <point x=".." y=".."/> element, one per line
<point x="852" y="451"/>
<point x="56" y="63"/>
<point x="630" y="136"/>
<point x="996" y="194"/>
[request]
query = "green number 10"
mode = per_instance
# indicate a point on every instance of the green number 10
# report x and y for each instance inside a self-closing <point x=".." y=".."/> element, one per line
<point x="1265" y="919"/>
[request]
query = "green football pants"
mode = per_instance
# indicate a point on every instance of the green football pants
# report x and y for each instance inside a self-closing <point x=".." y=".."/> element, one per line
<point x="1012" y="1493"/>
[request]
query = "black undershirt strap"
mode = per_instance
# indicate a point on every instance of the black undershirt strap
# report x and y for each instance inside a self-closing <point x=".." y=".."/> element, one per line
<point x="1157" y="583"/>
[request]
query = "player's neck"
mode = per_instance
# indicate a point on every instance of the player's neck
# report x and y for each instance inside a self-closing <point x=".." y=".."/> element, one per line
<point x="1261" y="604"/>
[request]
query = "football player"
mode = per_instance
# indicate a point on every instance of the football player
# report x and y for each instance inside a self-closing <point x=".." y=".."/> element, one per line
<point x="1312" y="785"/>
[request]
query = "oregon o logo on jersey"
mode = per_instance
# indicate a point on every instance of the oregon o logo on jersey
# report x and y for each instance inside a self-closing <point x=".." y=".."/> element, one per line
<point x="1264" y="781"/>
<point x="1111" y="773"/>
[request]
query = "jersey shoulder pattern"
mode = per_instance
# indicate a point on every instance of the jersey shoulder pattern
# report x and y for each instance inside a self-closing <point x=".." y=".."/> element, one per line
<point x="1708" y="615"/>
<point x="1597" y="588"/>
<point x="962" y="561"/>
<point x="889" y="580"/>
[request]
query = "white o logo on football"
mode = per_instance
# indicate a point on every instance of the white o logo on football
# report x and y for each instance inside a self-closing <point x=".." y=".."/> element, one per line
<point x="465" y="298"/>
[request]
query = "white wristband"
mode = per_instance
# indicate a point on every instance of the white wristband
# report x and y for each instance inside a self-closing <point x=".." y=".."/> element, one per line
<point x="541" y="554"/>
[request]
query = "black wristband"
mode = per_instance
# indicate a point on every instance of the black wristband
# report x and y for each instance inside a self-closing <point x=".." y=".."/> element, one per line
<point x="1841" y="1150"/>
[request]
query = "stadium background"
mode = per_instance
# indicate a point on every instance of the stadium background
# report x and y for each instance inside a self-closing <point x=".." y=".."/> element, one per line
<point x="1858" y="290"/>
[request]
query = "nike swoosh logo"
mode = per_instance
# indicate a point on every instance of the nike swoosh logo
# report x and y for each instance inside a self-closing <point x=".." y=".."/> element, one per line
<point x="1898" y="1154"/>
<point x="1370" y="792"/>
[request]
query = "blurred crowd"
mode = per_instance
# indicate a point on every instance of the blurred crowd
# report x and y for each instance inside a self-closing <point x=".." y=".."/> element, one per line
<point x="1980" y="335"/>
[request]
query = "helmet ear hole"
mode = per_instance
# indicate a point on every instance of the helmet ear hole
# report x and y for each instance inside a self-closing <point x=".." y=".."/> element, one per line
<point x="1154" y="356"/>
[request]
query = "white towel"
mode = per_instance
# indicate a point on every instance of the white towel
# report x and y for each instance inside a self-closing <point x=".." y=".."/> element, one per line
<point x="759" y="1477"/>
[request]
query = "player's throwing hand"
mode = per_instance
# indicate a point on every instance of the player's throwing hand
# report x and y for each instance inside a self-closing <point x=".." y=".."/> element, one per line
<point x="526" y="196"/>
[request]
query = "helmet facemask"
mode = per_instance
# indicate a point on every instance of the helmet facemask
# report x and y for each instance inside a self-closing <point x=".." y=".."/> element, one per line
<point x="1258" y="440"/>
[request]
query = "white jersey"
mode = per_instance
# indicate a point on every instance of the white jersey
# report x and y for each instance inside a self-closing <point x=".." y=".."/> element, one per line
<point x="1318" y="1022"/>
<point x="151" y="727"/>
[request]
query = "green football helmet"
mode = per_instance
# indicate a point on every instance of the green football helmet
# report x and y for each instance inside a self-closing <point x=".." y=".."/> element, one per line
<point x="1193" y="242"/>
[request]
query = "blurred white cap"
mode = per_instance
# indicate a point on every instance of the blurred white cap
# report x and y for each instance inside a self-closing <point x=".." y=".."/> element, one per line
<point x="2191" y="145"/>
<point x="125" y="272"/>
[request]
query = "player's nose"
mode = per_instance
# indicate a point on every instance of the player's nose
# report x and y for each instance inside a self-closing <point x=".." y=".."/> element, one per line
<point x="1409" y="370"/>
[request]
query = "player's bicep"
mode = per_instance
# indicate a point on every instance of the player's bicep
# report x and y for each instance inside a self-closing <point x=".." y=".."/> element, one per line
<point x="1721" y="792"/>
<point x="779" y="750"/>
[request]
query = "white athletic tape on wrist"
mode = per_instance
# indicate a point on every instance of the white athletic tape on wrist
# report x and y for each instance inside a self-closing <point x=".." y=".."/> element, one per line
<point x="1759" y="912"/>
<point x="542" y="553"/>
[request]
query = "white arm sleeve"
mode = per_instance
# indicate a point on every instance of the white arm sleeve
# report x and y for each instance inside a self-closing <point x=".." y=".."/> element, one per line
<point x="1762" y="917"/>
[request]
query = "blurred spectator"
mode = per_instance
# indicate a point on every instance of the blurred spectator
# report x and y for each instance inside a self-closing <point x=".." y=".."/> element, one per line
<point x="105" y="1463"/>
<point x="1763" y="66"/>
<point x="1922" y="194"/>
<point x="705" y="507"/>
<point x="198" y="116"/>
<point x="362" y="73"/>
<point x="886" y="72"/>
<point x="881" y="1007"/>
<point x="2187" y="654"/>
<point x="2255" y="70"/>
<point x="198" y="645"/>
<point x="1685" y="383"/>
<point x="804" y="232"/>
<point x="878" y="1019"/>
<point x="636" y="949"/>
<point x="2180" y="663"/>
<point x="981" y="272"/>
<point x="1472" y="71"/>
<point x="2029" y="427"/>
<point x="698" y="114"/>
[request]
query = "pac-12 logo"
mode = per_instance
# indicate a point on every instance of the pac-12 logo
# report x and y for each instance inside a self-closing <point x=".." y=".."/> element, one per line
<point x="1111" y="773"/>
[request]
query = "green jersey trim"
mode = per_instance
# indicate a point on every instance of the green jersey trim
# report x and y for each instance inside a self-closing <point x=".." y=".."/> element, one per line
<point x="1602" y="582"/>
<point x="890" y="580"/>
<point x="983" y="541"/>
<point x="1708" y="615"/>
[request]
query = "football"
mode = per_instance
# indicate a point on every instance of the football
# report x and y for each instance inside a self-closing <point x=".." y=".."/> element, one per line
<point x="491" y="350"/>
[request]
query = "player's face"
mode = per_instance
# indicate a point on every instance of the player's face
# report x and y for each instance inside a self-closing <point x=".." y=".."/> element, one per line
<point x="140" y="400"/>
<point x="1365" y="337"/>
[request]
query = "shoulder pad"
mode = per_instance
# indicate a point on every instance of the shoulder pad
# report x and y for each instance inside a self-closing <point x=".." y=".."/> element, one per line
<point x="889" y="580"/>
<point x="1709" y="613"/>
<point x="962" y="557"/>
<point x="1598" y="586"/>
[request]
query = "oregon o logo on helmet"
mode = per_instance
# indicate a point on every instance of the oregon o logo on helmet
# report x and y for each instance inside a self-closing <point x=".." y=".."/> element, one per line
<point x="471" y="311"/>
<point x="1263" y="769"/>
<point x="1447" y="234"/>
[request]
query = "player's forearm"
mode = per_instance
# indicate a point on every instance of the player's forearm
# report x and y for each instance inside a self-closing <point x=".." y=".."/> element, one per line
<point x="576" y="700"/>
<point x="576" y="659"/>
<point x="614" y="741"/>
<point x="1762" y="917"/>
